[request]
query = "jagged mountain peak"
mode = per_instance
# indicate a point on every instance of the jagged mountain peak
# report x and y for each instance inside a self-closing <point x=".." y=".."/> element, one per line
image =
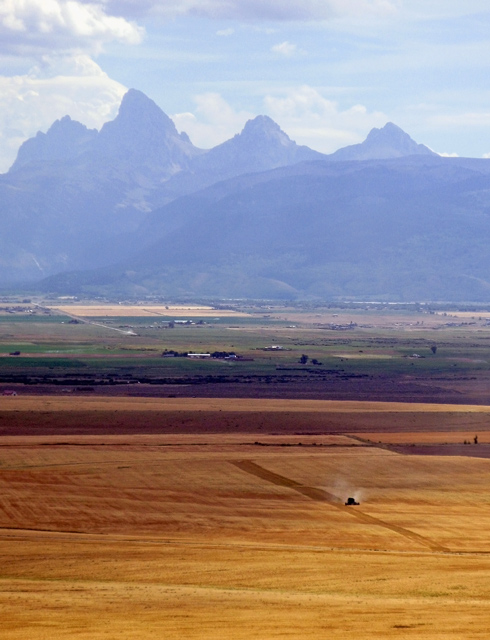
<point x="142" y="138"/>
<point x="65" y="139"/>
<point x="136" y="106"/>
<point x="389" y="130"/>
<point x="65" y="124"/>
<point x="390" y="133"/>
<point x="263" y="129"/>
<point x="261" y="124"/>
<point x="139" y="117"/>
<point x="387" y="142"/>
<point x="261" y="145"/>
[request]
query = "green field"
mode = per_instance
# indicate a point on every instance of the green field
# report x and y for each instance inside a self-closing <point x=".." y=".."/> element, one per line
<point x="348" y="350"/>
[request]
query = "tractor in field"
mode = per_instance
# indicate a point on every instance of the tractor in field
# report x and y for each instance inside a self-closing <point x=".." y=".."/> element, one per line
<point x="351" y="502"/>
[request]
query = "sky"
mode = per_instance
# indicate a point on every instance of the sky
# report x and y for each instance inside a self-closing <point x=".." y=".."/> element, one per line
<point x="327" y="71"/>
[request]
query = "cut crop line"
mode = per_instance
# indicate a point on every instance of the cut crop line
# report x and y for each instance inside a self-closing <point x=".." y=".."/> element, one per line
<point x="320" y="495"/>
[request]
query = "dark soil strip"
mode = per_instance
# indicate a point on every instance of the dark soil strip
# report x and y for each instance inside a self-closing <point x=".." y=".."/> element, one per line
<point x="468" y="451"/>
<point x="319" y="495"/>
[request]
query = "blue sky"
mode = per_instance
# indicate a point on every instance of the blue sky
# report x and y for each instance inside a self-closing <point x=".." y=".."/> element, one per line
<point x="326" y="70"/>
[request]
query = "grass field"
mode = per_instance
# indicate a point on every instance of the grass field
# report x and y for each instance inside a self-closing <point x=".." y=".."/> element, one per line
<point x="192" y="518"/>
<point x="358" y="353"/>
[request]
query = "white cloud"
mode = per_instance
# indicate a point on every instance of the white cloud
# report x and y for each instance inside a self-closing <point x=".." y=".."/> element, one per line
<point x="286" y="49"/>
<point x="449" y="155"/>
<point x="73" y="86"/>
<point x="43" y="26"/>
<point x="305" y="115"/>
<point x="213" y="122"/>
<point x="311" y="119"/>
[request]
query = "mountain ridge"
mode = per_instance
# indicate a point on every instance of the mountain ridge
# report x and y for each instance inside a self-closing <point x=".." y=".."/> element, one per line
<point x="137" y="207"/>
<point x="363" y="230"/>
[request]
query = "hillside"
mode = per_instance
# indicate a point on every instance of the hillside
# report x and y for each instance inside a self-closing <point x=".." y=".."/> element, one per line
<point x="404" y="229"/>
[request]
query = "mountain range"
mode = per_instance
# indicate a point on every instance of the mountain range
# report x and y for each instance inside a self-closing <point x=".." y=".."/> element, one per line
<point x="136" y="209"/>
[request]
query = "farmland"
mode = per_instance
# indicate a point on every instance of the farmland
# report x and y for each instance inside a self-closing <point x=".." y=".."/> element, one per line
<point x="173" y="527"/>
<point x="183" y="507"/>
<point x="367" y="353"/>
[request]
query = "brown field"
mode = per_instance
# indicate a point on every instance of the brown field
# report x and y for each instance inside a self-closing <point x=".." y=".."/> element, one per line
<point x="136" y="518"/>
<point x="124" y="310"/>
<point x="386" y="319"/>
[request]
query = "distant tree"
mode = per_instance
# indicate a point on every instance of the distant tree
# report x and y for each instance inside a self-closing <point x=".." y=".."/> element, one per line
<point x="304" y="358"/>
<point x="434" y="349"/>
<point x="475" y="439"/>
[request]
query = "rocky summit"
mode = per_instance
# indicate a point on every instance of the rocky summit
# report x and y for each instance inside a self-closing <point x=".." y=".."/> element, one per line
<point x="388" y="142"/>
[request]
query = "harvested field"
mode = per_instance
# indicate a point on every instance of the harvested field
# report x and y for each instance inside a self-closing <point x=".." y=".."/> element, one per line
<point x="238" y="405"/>
<point x="138" y="311"/>
<point x="46" y="415"/>
<point x="202" y="519"/>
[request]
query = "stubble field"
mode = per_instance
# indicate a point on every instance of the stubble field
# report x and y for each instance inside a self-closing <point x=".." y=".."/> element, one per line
<point x="201" y="518"/>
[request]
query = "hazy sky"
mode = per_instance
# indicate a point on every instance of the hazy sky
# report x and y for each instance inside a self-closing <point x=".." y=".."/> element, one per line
<point x="326" y="70"/>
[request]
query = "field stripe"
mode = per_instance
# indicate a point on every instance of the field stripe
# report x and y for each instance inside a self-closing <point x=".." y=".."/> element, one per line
<point x="320" y="495"/>
<point x="56" y="403"/>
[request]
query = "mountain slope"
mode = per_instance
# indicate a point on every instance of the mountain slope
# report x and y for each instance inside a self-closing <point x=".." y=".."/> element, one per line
<point x="260" y="146"/>
<point x="403" y="229"/>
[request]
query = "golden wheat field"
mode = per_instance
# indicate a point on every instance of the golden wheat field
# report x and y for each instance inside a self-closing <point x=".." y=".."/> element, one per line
<point x="232" y="524"/>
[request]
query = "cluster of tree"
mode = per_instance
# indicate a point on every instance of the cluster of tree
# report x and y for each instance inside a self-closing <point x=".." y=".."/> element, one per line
<point x="304" y="359"/>
<point x="170" y="353"/>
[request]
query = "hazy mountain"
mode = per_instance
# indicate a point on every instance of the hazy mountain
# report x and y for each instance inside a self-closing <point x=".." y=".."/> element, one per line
<point x="256" y="216"/>
<point x="388" y="142"/>
<point x="142" y="142"/>
<point x="74" y="196"/>
<point x="138" y="151"/>
<point x="403" y="229"/>
<point x="262" y="145"/>
<point x="64" y="140"/>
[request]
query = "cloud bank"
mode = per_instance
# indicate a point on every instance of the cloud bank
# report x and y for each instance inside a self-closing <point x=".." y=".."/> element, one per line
<point x="311" y="119"/>
<point x="39" y="26"/>
<point x="59" y="86"/>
